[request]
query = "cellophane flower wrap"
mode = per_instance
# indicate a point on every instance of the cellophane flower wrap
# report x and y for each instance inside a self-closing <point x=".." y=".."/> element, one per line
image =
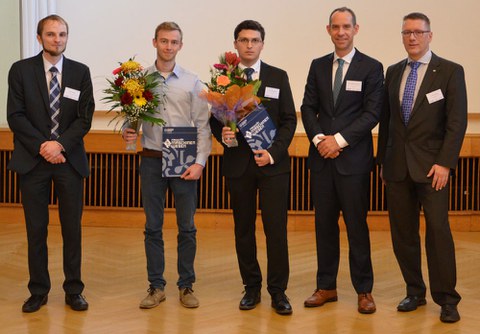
<point x="230" y="95"/>
<point x="133" y="95"/>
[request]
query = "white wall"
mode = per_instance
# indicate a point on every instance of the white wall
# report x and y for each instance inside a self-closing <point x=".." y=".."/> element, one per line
<point x="103" y="33"/>
<point x="10" y="42"/>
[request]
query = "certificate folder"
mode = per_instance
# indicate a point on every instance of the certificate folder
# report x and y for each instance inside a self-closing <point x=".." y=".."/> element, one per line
<point x="258" y="129"/>
<point x="179" y="150"/>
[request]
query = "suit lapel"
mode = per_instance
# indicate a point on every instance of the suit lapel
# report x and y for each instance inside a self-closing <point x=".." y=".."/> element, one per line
<point x="428" y="80"/>
<point x="42" y="82"/>
<point x="264" y="76"/>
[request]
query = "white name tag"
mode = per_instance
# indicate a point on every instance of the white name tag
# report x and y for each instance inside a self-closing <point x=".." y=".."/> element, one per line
<point x="435" y="96"/>
<point x="354" y="86"/>
<point x="272" y="93"/>
<point x="71" y="94"/>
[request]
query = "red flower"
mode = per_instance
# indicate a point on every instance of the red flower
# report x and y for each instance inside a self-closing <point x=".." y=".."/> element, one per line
<point x="117" y="70"/>
<point x="220" y="66"/>
<point x="148" y="95"/>
<point x="126" y="98"/>
<point x="119" y="81"/>
<point x="232" y="59"/>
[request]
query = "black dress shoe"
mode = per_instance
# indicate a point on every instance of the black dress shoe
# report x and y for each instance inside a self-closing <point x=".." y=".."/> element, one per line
<point x="410" y="303"/>
<point x="250" y="300"/>
<point x="34" y="303"/>
<point x="281" y="304"/>
<point x="76" y="302"/>
<point x="449" y="313"/>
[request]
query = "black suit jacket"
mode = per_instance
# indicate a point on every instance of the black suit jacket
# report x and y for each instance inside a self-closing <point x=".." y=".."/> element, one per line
<point x="436" y="129"/>
<point x="283" y="114"/>
<point x="354" y="116"/>
<point x="29" y="118"/>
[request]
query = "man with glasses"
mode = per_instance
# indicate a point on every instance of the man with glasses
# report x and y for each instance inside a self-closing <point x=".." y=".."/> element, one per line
<point x="341" y="106"/>
<point x="267" y="171"/>
<point x="421" y="133"/>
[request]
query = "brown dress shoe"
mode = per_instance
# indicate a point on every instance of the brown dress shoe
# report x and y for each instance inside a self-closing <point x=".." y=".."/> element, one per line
<point x="321" y="297"/>
<point x="366" y="305"/>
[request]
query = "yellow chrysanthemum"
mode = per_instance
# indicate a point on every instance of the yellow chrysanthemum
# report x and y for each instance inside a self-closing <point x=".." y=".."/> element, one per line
<point x="130" y="66"/>
<point x="133" y="86"/>
<point x="139" y="100"/>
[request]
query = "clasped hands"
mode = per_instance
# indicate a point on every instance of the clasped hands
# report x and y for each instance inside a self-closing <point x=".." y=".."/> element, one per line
<point x="52" y="152"/>
<point x="328" y="147"/>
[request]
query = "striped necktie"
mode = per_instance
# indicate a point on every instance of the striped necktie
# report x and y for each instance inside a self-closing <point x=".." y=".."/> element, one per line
<point x="54" y="97"/>
<point x="249" y="72"/>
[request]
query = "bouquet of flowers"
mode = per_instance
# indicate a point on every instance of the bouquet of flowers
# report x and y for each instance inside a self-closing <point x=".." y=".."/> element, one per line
<point x="132" y="95"/>
<point x="230" y="95"/>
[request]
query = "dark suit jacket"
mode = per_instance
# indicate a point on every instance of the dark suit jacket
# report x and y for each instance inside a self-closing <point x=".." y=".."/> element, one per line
<point x="283" y="114"/>
<point x="354" y="116"/>
<point x="28" y="113"/>
<point x="435" y="131"/>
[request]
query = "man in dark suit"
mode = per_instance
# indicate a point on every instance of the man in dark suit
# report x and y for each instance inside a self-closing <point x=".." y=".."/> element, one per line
<point x="264" y="170"/>
<point x="49" y="110"/>
<point x="341" y="105"/>
<point x="421" y="133"/>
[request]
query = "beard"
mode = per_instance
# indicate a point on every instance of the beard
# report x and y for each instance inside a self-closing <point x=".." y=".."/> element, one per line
<point x="55" y="52"/>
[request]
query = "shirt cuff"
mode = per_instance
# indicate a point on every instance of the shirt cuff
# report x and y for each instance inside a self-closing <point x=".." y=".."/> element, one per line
<point x="317" y="140"/>
<point x="340" y="140"/>
<point x="271" y="159"/>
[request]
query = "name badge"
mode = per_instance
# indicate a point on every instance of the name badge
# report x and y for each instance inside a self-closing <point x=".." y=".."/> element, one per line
<point x="435" y="96"/>
<point x="272" y="93"/>
<point x="71" y="93"/>
<point x="353" y="86"/>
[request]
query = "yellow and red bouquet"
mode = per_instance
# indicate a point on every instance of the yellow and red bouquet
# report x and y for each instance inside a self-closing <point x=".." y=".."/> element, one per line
<point x="230" y="95"/>
<point x="131" y="93"/>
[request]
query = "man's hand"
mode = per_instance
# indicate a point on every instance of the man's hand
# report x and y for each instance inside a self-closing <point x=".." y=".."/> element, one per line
<point x="194" y="172"/>
<point x="227" y="135"/>
<point x="129" y="135"/>
<point x="262" y="158"/>
<point x="440" y="175"/>
<point x="52" y="152"/>
<point x="328" y="148"/>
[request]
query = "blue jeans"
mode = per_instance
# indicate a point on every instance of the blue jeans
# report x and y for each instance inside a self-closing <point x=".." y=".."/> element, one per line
<point x="154" y="188"/>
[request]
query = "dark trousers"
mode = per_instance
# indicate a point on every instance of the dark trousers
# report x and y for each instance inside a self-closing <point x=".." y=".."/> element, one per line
<point x="35" y="190"/>
<point x="273" y="193"/>
<point x="332" y="193"/>
<point x="404" y="199"/>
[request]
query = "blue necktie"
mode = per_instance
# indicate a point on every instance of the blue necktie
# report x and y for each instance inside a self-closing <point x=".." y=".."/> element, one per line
<point x="54" y="97"/>
<point x="337" y="83"/>
<point x="409" y="92"/>
<point x="249" y="72"/>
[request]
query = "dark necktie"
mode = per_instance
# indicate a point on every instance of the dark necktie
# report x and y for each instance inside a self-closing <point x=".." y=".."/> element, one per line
<point x="409" y="92"/>
<point x="249" y="72"/>
<point x="54" y="97"/>
<point x="337" y="83"/>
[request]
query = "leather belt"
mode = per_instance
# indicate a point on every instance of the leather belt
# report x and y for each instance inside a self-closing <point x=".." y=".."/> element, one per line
<point x="146" y="152"/>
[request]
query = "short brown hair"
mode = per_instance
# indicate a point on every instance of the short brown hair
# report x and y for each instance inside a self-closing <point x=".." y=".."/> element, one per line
<point x="53" y="17"/>
<point x="169" y="26"/>
<point x="417" y="16"/>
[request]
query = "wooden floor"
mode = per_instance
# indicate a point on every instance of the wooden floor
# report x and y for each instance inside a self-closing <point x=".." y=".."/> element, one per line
<point x="115" y="277"/>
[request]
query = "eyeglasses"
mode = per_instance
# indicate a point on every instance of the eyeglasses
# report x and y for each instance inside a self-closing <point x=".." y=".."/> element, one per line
<point x="245" y="41"/>
<point x="416" y="33"/>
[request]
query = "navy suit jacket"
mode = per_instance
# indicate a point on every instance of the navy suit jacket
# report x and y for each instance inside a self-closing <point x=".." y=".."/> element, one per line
<point x="436" y="128"/>
<point x="28" y="113"/>
<point x="283" y="114"/>
<point x="355" y="115"/>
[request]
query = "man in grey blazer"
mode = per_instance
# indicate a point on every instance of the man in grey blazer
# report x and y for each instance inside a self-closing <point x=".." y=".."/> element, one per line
<point x="50" y="149"/>
<point x="341" y="106"/>
<point x="421" y="133"/>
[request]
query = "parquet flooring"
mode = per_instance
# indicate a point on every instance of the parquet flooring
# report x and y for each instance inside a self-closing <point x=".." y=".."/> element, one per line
<point x="115" y="276"/>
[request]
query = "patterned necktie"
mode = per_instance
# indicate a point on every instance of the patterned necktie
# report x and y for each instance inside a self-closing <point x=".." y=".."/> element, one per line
<point x="249" y="72"/>
<point x="409" y="92"/>
<point x="337" y="83"/>
<point x="54" y="96"/>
